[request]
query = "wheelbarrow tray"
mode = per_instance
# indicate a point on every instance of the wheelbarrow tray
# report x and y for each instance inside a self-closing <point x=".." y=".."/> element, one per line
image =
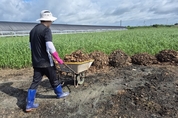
<point x="79" y="67"/>
<point x="78" y="70"/>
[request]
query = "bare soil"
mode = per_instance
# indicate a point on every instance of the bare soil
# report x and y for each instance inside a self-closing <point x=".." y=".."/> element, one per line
<point x="123" y="92"/>
<point x="120" y="90"/>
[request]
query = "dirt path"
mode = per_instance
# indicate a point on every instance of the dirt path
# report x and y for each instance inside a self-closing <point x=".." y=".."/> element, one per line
<point x="133" y="91"/>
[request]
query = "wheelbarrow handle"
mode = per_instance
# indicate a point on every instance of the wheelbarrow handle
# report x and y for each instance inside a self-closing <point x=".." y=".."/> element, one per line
<point x="69" y="68"/>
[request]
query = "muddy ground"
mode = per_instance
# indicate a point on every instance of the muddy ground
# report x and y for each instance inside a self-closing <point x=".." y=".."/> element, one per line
<point x="123" y="92"/>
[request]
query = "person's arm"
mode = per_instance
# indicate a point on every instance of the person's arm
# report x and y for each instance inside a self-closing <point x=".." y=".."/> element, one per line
<point x="50" y="46"/>
<point x="52" y="50"/>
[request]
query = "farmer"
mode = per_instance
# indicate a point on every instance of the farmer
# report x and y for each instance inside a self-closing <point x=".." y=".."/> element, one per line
<point x="42" y="51"/>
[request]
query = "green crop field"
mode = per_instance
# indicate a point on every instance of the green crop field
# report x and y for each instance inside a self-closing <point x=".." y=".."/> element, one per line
<point x="15" y="52"/>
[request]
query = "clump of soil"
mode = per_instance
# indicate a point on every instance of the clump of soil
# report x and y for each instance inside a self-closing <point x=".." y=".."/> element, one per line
<point x="77" y="56"/>
<point x="119" y="59"/>
<point x="100" y="59"/>
<point x="144" y="59"/>
<point x="167" y="56"/>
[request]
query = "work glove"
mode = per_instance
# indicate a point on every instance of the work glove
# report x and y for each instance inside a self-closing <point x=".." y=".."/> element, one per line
<point x="60" y="61"/>
<point x="57" y="58"/>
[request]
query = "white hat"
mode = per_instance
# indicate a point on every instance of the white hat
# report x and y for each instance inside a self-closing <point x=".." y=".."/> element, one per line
<point x="46" y="15"/>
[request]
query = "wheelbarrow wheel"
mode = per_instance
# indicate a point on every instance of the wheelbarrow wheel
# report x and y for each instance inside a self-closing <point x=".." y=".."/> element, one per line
<point x="80" y="79"/>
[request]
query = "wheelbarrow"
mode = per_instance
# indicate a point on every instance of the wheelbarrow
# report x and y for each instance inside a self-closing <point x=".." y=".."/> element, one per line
<point x="78" y="70"/>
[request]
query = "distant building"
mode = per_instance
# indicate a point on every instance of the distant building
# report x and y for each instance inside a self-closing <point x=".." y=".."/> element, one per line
<point x="23" y="28"/>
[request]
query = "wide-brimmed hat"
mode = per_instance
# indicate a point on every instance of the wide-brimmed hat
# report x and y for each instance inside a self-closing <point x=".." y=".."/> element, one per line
<point x="46" y="15"/>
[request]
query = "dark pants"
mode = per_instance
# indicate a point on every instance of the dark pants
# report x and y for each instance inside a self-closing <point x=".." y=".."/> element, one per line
<point x="50" y="72"/>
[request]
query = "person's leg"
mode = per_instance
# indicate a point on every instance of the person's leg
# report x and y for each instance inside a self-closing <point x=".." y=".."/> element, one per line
<point x="32" y="90"/>
<point x="37" y="77"/>
<point x="52" y="76"/>
<point x="50" y="72"/>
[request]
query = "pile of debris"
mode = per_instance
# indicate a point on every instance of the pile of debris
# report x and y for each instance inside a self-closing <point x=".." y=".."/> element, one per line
<point x="118" y="59"/>
<point x="144" y="59"/>
<point x="100" y="59"/>
<point x="167" y="56"/>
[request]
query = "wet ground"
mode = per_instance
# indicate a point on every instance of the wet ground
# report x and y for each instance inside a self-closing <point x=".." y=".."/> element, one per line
<point x="121" y="92"/>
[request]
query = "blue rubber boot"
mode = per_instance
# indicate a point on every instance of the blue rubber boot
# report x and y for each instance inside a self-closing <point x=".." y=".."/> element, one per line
<point x="60" y="94"/>
<point x="30" y="100"/>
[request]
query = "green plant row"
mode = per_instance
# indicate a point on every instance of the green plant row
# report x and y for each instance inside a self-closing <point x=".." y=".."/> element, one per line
<point x="15" y="52"/>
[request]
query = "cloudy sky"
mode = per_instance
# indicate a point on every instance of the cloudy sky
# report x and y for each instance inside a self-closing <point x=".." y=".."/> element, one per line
<point x="93" y="12"/>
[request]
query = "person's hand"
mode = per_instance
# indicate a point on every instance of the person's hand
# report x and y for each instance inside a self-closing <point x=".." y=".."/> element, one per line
<point x="60" y="61"/>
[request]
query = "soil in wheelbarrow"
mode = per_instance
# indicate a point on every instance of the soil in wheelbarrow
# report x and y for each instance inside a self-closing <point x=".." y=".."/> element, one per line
<point x="100" y="59"/>
<point x="144" y="59"/>
<point x="77" y="56"/>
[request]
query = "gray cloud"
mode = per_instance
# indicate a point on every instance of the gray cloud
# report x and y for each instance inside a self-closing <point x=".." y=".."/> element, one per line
<point x="100" y="12"/>
<point x="167" y="7"/>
